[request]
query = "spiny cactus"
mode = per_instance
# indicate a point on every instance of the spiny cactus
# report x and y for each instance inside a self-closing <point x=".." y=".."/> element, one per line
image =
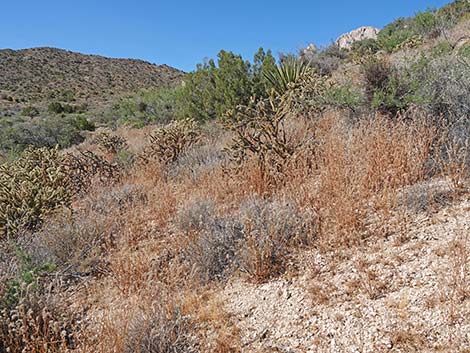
<point x="110" y="143"/>
<point x="167" y="143"/>
<point x="274" y="131"/>
<point x="412" y="42"/>
<point x="85" y="167"/>
<point x="31" y="187"/>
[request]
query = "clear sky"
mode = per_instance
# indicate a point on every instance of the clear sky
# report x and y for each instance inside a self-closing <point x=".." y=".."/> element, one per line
<point x="183" y="33"/>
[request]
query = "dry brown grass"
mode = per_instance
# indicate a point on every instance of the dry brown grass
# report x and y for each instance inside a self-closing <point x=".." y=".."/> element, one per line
<point x="167" y="244"/>
<point x="362" y="167"/>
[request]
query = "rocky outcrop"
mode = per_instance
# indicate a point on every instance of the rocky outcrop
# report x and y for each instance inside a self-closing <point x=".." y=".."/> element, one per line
<point x="346" y="40"/>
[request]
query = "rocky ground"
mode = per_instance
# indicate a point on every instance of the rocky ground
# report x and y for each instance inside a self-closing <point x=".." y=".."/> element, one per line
<point x="398" y="294"/>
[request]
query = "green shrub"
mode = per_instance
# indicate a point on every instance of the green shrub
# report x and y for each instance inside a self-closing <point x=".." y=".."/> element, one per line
<point x="145" y="107"/>
<point x="388" y="89"/>
<point x="409" y="32"/>
<point x="441" y="48"/>
<point x="426" y="23"/>
<point x="46" y="131"/>
<point x="29" y="273"/>
<point x="55" y="107"/>
<point x="452" y="13"/>
<point x="464" y="51"/>
<point x="324" y="61"/>
<point x="394" y="34"/>
<point x="344" y="97"/>
<point x="30" y="111"/>
<point x="445" y="80"/>
<point x="83" y="124"/>
<point x="364" y="47"/>
<point x="68" y="96"/>
<point x="213" y="89"/>
<point x="58" y="108"/>
<point x="30" y="188"/>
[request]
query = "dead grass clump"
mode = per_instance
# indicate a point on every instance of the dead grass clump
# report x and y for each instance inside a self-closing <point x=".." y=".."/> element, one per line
<point x="195" y="215"/>
<point x="40" y="322"/>
<point x="73" y="243"/>
<point x="196" y="161"/>
<point x="122" y="198"/>
<point x="362" y="167"/>
<point x="163" y="329"/>
<point x="425" y="196"/>
<point x="455" y="163"/>
<point x="256" y="239"/>
<point x="408" y="340"/>
<point x="459" y="255"/>
<point x="213" y="252"/>
<point x="272" y="229"/>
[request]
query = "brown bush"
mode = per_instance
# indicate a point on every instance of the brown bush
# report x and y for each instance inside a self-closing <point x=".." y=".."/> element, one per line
<point x="40" y="322"/>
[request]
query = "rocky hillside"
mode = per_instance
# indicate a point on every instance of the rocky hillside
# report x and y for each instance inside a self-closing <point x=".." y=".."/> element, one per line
<point x="40" y="74"/>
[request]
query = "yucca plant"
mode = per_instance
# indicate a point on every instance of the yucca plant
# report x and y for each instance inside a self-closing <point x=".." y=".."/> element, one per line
<point x="288" y="72"/>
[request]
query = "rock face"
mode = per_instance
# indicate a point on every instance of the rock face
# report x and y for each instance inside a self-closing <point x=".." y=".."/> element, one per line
<point x="310" y="50"/>
<point x="346" y="40"/>
<point x="308" y="53"/>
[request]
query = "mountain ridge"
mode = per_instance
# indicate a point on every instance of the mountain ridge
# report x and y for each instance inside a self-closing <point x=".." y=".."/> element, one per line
<point x="37" y="74"/>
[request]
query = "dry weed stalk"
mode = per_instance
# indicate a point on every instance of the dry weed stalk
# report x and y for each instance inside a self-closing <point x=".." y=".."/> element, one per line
<point x="455" y="164"/>
<point x="362" y="166"/>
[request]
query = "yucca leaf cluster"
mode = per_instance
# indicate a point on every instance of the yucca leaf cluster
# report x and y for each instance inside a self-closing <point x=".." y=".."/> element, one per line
<point x="290" y="71"/>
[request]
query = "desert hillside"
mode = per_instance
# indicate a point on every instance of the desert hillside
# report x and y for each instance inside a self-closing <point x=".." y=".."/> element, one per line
<point x="39" y="74"/>
<point x="317" y="201"/>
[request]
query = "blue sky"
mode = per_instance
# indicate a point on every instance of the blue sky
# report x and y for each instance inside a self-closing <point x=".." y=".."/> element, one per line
<point x="183" y="33"/>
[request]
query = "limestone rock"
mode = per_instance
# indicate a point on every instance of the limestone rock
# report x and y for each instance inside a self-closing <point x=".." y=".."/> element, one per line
<point x="346" y="40"/>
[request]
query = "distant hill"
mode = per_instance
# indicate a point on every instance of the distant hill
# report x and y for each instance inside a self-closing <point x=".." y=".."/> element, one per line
<point x="43" y="74"/>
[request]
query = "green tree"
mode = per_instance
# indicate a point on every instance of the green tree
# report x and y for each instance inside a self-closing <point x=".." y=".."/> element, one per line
<point x="197" y="93"/>
<point x="213" y="89"/>
<point x="232" y="82"/>
<point x="263" y="62"/>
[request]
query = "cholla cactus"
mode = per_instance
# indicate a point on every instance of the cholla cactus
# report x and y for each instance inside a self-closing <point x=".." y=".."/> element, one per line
<point x="167" y="143"/>
<point x="110" y="143"/>
<point x="412" y="42"/>
<point x="31" y="187"/>
<point x="85" y="167"/>
<point x="275" y="130"/>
